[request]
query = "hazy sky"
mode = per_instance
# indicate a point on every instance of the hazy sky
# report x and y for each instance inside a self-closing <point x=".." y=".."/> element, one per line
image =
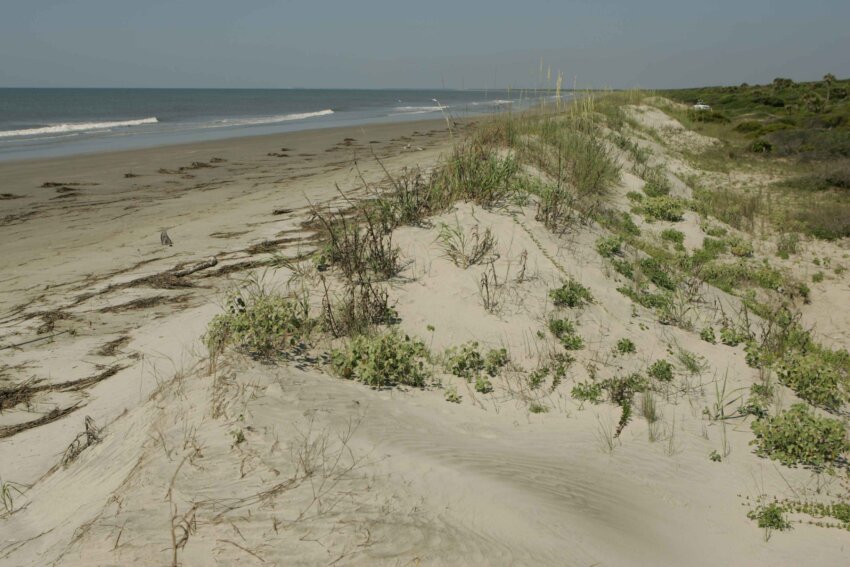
<point x="396" y="43"/>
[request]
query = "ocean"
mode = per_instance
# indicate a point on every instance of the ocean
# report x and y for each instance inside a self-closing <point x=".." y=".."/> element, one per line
<point x="58" y="122"/>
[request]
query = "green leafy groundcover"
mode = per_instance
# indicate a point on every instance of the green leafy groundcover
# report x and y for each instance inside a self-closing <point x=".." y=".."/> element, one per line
<point x="383" y="360"/>
<point x="799" y="437"/>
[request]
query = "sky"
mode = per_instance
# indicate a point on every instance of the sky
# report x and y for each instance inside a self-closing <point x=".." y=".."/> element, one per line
<point x="425" y="44"/>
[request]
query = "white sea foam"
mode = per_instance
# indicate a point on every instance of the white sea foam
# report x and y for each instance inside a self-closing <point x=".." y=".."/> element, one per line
<point x="75" y="127"/>
<point x="272" y="119"/>
<point x="497" y="102"/>
<point x="416" y="109"/>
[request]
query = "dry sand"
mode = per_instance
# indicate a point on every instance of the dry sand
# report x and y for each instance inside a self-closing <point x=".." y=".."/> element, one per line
<point x="282" y="465"/>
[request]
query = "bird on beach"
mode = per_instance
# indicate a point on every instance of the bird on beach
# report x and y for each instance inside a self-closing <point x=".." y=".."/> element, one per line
<point x="165" y="239"/>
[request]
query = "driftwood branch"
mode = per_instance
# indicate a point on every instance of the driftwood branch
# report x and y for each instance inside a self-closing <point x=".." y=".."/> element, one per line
<point x="208" y="263"/>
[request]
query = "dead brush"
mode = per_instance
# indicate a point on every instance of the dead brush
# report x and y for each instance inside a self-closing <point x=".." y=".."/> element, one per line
<point x="359" y="243"/>
<point x="82" y="441"/>
<point x="18" y="394"/>
<point x="491" y="290"/>
<point x="358" y="309"/>
<point x="463" y="249"/>
<point x="8" y="490"/>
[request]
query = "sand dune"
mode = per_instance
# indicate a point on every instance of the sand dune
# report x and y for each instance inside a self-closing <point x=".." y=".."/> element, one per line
<point x="286" y="464"/>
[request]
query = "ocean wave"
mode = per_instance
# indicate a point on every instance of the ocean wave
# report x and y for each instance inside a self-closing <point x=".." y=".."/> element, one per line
<point x="417" y="109"/>
<point x="272" y="119"/>
<point x="497" y="102"/>
<point x="75" y="127"/>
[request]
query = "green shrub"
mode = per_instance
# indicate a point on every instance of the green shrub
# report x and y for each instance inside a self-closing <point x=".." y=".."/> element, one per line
<point x="740" y="247"/>
<point x="761" y="147"/>
<point x="260" y="325"/>
<point x="623" y="267"/>
<point x="656" y="183"/>
<point x="748" y="127"/>
<point x="657" y="273"/>
<point x="817" y="277"/>
<point x="588" y="392"/>
<point x="714" y="230"/>
<point x="467" y="362"/>
<point x="565" y="331"/>
<point x="731" y="337"/>
<point x="626" y="346"/>
<point x="713" y="248"/>
<point x="707" y="334"/>
<point x="483" y="385"/>
<point x="383" y="360"/>
<point x="557" y="367"/>
<point x="816" y="378"/>
<point x="634" y="196"/>
<point x="770" y="517"/>
<point x="663" y="208"/>
<point x="495" y="360"/>
<point x="571" y="294"/>
<point x="661" y="370"/>
<point x="677" y="237"/>
<point x="609" y="246"/>
<point x="799" y="437"/>
<point x="787" y="245"/>
<point x="645" y="298"/>
<point x="452" y="396"/>
<point x="621" y="390"/>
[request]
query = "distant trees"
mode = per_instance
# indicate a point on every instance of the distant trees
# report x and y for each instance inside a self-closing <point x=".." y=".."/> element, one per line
<point x="828" y="79"/>
<point x="812" y="102"/>
<point x="780" y="83"/>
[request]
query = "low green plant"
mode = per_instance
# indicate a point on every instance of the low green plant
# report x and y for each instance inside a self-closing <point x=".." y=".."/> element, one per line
<point x="571" y="294"/>
<point x="495" y="360"/>
<point x="787" y="244"/>
<point x="770" y="517"/>
<point x="707" y="334"/>
<point x="818" y="376"/>
<point x="656" y="182"/>
<point x="535" y="407"/>
<point x="714" y="456"/>
<point x="663" y="208"/>
<point x="626" y="346"/>
<point x="740" y="247"/>
<point x="483" y="385"/>
<point x="452" y="396"/>
<point x="798" y="436"/>
<point x="661" y="370"/>
<point x="465" y="361"/>
<point x="382" y="360"/>
<point x="609" y="246"/>
<point x="731" y="336"/>
<point x="634" y="196"/>
<point x="566" y="332"/>
<point x="677" y="237"/>
<point x="693" y="363"/>
<point x="556" y="367"/>
<point x="587" y="392"/>
<point x="657" y="273"/>
<point x="621" y="390"/>
<point x="714" y="230"/>
<point x="817" y="277"/>
<point x="259" y="324"/>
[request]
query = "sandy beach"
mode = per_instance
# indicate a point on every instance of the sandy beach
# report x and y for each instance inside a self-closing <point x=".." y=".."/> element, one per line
<point x="132" y="448"/>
